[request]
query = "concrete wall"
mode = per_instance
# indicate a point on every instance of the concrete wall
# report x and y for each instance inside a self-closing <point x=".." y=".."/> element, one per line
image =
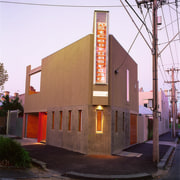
<point x="66" y="78"/>
<point x="73" y="139"/>
<point x="67" y="84"/>
<point x="121" y="61"/>
<point x="99" y="143"/>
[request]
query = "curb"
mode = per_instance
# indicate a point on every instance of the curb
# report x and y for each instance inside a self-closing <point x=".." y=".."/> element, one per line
<point x="97" y="176"/>
<point x="163" y="162"/>
<point x="43" y="165"/>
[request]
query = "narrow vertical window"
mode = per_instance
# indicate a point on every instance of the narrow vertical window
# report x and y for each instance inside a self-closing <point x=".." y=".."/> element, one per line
<point x="116" y="121"/>
<point x="123" y="121"/>
<point x="80" y="121"/>
<point x="53" y="120"/>
<point x="69" y="122"/>
<point x="99" y="121"/>
<point x="60" y="120"/>
<point x="127" y="85"/>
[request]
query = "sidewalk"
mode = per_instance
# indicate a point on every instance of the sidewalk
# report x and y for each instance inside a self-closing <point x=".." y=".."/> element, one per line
<point x="134" y="163"/>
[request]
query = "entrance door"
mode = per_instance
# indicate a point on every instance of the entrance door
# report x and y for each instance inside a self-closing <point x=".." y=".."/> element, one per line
<point x="42" y="126"/>
<point x="133" y="129"/>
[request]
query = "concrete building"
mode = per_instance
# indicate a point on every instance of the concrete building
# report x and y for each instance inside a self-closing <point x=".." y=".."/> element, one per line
<point x="80" y="106"/>
<point x="145" y="99"/>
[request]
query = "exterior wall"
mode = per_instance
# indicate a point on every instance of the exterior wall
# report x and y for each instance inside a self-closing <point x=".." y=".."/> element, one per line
<point x="163" y="108"/>
<point x="121" y="138"/>
<point x="69" y="139"/>
<point x="99" y="143"/>
<point x="142" y="128"/>
<point x="67" y="85"/>
<point x="66" y="78"/>
<point x="121" y="61"/>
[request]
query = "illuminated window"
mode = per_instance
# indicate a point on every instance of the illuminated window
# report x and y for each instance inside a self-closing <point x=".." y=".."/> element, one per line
<point x="99" y="121"/>
<point x="127" y="85"/>
<point x="69" y="122"/>
<point x="60" y="120"/>
<point x="80" y="121"/>
<point x="53" y="120"/>
<point x="116" y="121"/>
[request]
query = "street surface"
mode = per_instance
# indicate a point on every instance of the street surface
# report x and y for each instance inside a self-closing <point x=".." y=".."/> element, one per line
<point x="174" y="171"/>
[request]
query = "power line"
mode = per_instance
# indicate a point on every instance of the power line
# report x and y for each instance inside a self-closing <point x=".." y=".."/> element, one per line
<point x="167" y="35"/>
<point x="60" y="5"/>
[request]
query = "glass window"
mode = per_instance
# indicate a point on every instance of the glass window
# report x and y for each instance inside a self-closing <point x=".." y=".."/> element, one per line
<point x="116" y="121"/>
<point x="127" y="85"/>
<point x="99" y="121"/>
<point x="80" y="121"/>
<point x="69" y="122"/>
<point x="53" y="120"/>
<point x="60" y="120"/>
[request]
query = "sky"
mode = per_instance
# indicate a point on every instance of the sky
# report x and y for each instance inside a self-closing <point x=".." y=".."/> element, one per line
<point x="29" y="33"/>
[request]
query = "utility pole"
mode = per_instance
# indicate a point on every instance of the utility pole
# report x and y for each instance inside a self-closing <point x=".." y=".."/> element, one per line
<point x="173" y="101"/>
<point x="154" y="5"/>
<point x="155" y="87"/>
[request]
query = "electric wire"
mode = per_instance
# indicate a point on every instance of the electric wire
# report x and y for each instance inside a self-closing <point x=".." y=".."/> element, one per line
<point x="135" y="24"/>
<point x="174" y="31"/>
<point x="59" y="5"/>
<point x="139" y="17"/>
<point x="129" y="49"/>
<point x="167" y="36"/>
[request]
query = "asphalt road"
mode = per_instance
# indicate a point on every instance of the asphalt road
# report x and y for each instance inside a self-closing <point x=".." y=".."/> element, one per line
<point x="174" y="172"/>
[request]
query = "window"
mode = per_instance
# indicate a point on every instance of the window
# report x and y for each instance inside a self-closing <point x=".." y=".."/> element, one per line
<point x="123" y="121"/>
<point x="99" y="121"/>
<point x="53" y="120"/>
<point x="69" y="122"/>
<point x="60" y="120"/>
<point x="35" y="82"/>
<point x="127" y="85"/>
<point x="80" y="121"/>
<point x="116" y="121"/>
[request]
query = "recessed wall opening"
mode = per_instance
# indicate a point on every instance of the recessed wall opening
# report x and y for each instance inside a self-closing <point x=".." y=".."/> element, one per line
<point x="35" y="81"/>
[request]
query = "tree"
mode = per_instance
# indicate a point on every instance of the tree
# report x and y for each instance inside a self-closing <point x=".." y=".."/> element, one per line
<point x="3" y="76"/>
<point x="12" y="104"/>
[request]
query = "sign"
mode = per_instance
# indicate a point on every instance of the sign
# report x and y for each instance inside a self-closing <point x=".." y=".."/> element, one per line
<point x="101" y="47"/>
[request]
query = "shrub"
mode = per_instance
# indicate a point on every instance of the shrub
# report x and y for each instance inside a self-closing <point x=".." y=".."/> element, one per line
<point x="12" y="153"/>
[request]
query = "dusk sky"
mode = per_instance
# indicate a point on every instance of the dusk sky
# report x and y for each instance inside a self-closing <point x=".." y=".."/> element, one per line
<point x="30" y="32"/>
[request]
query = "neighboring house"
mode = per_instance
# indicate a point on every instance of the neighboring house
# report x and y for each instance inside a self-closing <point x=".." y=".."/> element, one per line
<point x="144" y="124"/>
<point x="145" y="99"/>
<point x="88" y="96"/>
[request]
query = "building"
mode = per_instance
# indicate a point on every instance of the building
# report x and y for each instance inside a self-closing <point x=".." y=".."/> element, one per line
<point x="88" y="95"/>
<point x="145" y="99"/>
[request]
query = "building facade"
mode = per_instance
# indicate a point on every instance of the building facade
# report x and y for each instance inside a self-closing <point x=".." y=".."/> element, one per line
<point x="145" y="99"/>
<point x="86" y="103"/>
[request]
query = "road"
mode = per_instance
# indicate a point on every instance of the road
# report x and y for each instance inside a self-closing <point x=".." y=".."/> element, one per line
<point x="174" y="171"/>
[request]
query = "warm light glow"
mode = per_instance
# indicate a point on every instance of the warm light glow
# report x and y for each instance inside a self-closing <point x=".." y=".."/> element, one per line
<point x="99" y="107"/>
<point x="99" y="121"/>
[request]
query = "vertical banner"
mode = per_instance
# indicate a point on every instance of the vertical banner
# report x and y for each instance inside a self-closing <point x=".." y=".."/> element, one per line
<point x="101" y="34"/>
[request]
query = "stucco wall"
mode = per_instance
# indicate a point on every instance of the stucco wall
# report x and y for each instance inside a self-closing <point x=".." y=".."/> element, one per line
<point x="121" y="61"/>
<point x="66" y="78"/>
